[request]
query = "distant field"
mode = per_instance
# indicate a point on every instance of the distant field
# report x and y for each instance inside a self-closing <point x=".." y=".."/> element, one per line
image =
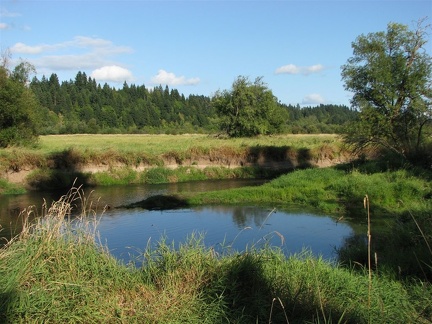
<point x="158" y="144"/>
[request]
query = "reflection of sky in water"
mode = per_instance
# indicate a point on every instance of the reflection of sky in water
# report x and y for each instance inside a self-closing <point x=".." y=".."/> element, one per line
<point x="128" y="231"/>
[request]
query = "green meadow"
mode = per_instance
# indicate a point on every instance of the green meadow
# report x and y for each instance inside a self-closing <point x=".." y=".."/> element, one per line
<point x="157" y="144"/>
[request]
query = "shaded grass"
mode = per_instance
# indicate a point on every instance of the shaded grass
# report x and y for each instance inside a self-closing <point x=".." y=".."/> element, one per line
<point x="55" y="272"/>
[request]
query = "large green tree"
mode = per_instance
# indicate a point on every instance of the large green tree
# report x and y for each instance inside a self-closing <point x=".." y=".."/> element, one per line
<point x="390" y="77"/>
<point x="18" y="107"/>
<point x="249" y="109"/>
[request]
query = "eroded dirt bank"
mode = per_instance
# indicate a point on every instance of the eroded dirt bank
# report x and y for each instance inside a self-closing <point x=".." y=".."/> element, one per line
<point x="20" y="175"/>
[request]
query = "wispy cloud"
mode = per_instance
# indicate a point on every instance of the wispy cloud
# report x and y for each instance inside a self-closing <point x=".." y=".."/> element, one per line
<point x="80" y="53"/>
<point x="313" y="99"/>
<point x="21" y="48"/>
<point x="6" y="13"/>
<point x="70" y="62"/>
<point x="99" y="45"/>
<point x="168" y="78"/>
<point x="304" y="70"/>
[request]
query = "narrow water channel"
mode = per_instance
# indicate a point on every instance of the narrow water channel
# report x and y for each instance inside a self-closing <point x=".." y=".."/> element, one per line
<point x="127" y="232"/>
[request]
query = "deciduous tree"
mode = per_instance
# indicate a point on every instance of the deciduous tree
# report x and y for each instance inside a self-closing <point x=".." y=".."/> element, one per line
<point x="18" y="107"/>
<point x="249" y="109"/>
<point x="390" y="77"/>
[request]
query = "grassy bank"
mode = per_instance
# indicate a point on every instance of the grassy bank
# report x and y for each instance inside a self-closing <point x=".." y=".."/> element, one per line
<point x="123" y="159"/>
<point x="400" y="207"/>
<point x="336" y="190"/>
<point x="54" y="272"/>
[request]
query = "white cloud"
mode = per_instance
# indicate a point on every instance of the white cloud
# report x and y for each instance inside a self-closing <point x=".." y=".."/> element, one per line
<point x="112" y="73"/>
<point x="70" y="62"/>
<point x="314" y="68"/>
<point x="4" y="26"/>
<point x="22" y="48"/>
<point x="313" y="99"/>
<point x="168" y="78"/>
<point x="289" y="69"/>
<point x="5" y="13"/>
<point x="81" y="52"/>
<point x="294" y="69"/>
<point x="99" y="45"/>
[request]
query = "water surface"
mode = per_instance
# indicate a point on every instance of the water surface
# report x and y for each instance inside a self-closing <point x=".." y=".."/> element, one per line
<point x="127" y="232"/>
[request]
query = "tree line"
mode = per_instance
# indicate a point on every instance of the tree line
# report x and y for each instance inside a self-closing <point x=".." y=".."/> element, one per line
<point x="84" y="106"/>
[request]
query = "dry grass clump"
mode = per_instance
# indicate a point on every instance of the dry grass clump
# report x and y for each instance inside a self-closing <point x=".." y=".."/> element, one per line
<point x="15" y="160"/>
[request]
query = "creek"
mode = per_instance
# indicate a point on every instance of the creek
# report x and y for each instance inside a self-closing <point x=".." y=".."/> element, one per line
<point x="127" y="232"/>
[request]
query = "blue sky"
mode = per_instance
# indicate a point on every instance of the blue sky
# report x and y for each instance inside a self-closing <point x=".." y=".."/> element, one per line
<point x="199" y="47"/>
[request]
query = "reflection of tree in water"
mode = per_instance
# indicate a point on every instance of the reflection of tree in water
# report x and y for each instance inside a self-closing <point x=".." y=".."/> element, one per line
<point x="244" y="216"/>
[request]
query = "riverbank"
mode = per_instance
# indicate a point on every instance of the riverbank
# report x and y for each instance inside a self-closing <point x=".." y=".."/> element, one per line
<point x="60" y="160"/>
<point x="52" y="261"/>
<point x="54" y="272"/>
<point x="399" y="203"/>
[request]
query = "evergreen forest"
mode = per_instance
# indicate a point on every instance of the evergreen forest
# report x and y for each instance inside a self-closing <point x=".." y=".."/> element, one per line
<point x="85" y="106"/>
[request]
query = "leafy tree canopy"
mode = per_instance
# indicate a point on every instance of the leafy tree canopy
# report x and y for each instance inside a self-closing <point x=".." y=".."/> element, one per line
<point x="249" y="109"/>
<point x="18" y="106"/>
<point x="390" y="77"/>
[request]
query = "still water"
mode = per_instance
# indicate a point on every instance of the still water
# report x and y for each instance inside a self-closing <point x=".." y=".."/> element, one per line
<point x="127" y="232"/>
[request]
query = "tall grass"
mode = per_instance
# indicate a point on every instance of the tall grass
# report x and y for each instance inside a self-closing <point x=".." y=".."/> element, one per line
<point x="335" y="191"/>
<point x="56" y="271"/>
<point x="160" y="144"/>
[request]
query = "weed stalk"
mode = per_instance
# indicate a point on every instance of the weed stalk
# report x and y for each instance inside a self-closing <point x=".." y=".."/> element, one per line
<point x="366" y="205"/>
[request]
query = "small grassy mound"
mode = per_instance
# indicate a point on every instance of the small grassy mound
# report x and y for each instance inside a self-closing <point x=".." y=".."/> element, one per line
<point x="335" y="190"/>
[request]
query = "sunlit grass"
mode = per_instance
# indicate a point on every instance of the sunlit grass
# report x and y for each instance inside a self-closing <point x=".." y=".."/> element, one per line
<point x="159" y="144"/>
<point x="334" y="191"/>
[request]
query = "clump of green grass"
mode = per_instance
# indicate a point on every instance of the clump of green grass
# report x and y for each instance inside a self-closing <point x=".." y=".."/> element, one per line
<point x="120" y="176"/>
<point x="392" y="191"/>
<point x="8" y="188"/>
<point x="335" y="191"/>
